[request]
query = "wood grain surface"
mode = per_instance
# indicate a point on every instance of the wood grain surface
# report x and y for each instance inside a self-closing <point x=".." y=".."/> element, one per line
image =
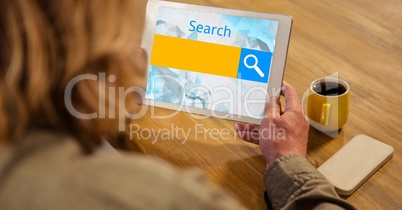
<point x="361" y="41"/>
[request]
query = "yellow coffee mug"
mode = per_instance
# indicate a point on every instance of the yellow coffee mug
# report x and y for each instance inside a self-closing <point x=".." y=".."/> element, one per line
<point x="328" y="104"/>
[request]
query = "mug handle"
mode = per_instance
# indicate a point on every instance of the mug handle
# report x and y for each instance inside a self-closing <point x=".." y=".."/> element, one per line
<point x="324" y="119"/>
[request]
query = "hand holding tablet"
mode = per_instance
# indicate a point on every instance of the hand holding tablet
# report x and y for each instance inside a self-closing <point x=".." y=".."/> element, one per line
<point x="212" y="61"/>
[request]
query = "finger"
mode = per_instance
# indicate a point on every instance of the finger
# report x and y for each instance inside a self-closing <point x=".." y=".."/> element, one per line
<point x="273" y="108"/>
<point x="245" y="127"/>
<point x="292" y="101"/>
<point x="249" y="136"/>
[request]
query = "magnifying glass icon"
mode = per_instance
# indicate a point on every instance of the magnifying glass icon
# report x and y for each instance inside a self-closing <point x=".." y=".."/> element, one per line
<point x="255" y="66"/>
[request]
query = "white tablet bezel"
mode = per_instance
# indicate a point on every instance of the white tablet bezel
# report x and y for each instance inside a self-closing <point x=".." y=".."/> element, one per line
<point x="278" y="61"/>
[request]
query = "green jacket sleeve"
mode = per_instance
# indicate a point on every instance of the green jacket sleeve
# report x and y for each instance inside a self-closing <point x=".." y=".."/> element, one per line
<point x="293" y="183"/>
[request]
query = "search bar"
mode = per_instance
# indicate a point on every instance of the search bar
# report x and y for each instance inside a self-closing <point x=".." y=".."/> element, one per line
<point x="209" y="58"/>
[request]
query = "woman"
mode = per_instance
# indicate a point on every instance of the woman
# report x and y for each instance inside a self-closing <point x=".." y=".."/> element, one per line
<point x="47" y="154"/>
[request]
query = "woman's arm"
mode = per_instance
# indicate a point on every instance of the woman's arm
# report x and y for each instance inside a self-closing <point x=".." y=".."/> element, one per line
<point x="291" y="181"/>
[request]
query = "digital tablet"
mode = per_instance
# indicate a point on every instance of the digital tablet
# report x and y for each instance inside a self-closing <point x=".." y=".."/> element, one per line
<point x="214" y="62"/>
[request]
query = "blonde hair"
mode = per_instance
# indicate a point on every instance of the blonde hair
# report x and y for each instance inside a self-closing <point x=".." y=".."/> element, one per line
<point x="46" y="43"/>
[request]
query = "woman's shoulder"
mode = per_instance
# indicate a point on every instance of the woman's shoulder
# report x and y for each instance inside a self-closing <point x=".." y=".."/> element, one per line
<point x="60" y="153"/>
<point x="53" y="166"/>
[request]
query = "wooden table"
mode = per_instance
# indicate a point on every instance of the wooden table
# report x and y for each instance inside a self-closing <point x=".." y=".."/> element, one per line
<point x="359" y="40"/>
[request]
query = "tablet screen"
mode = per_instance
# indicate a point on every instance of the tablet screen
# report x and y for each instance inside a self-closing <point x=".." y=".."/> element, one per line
<point x="211" y="61"/>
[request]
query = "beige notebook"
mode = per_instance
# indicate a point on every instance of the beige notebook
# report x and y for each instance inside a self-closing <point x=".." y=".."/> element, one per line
<point x="356" y="162"/>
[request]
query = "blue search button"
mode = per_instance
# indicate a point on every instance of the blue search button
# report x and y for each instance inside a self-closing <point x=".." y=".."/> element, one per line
<point x="254" y="65"/>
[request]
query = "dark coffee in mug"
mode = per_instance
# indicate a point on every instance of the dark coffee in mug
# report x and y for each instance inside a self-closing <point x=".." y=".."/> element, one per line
<point x="329" y="88"/>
